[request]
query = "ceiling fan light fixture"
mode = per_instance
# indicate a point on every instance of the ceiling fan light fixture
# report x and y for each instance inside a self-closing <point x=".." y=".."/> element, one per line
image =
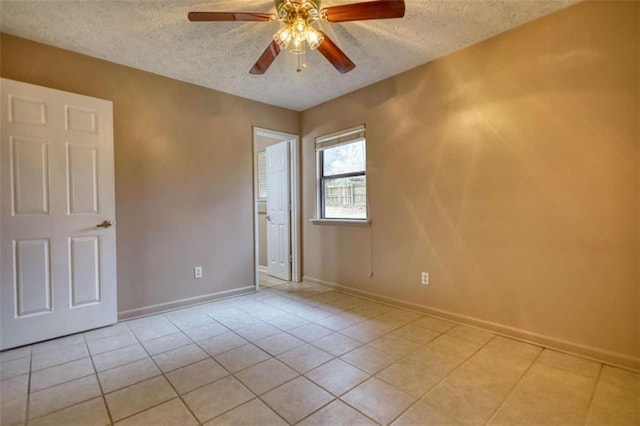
<point x="314" y="38"/>
<point x="298" y="17"/>
<point x="283" y="36"/>
<point x="298" y="46"/>
<point x="294" y="36"/>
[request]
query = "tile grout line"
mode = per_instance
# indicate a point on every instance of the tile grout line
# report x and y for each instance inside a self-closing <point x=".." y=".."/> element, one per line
<point x="65" y="382"/>
<point x="90" y="356"/>
<point x="162" y="373"/>
<point x="363" y="344"/>
<point x="317" y="409"/>
<point x="104" y="398"/>
<point x="593" y="395"/>
<point x="350" y="292"/>
<point x="338" y="399"/>
<point x="370" y="376"/>
<point x="182" y="331"/>
<point x="296" y="305"/>
<point x="514" y="387"/>
<point x="298" y="375"/>
<point x="459" y="324"/>
<point x="375" y="374"/>
<point x="63" y="362"/>
<point x="28" y="398"/>
<point x="425" y="393"/>
<point x="229" y="374"/>
<point x="95" y="372"/>
<point x="179" y="329"/>
<point x="257" y="396"/>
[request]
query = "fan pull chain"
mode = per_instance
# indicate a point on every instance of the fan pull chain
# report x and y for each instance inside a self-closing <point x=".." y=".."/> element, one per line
<point x="302" y="64"/>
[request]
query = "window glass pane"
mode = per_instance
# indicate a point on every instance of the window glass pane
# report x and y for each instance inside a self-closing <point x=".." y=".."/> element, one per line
<point x="347" y="158"/>
<point x="345" y="198"/>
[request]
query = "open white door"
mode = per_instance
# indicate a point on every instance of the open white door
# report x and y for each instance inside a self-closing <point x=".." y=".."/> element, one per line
<point x="57" y="240"/>
<point x="278" y="216"/>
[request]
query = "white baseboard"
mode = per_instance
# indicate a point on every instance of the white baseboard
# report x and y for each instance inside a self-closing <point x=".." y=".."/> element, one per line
<point x="590" y="352"/>
<point x="262" y="268"/>
<point x="181" y="303"/>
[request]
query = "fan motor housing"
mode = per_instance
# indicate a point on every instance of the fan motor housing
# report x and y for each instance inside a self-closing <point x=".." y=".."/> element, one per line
<point x="290" y="11"/>
<point x="315" y="4"/>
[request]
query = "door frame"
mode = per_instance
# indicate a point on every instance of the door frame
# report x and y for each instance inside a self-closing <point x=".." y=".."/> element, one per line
<point x="294" y="187"/>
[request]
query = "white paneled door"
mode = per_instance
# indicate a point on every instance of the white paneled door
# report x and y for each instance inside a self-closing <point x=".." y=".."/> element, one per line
<point x="278" y="211"/>
<point x="57" y="230"/>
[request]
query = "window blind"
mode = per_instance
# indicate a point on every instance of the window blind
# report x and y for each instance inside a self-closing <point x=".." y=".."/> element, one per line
<point x="339" y="138"/>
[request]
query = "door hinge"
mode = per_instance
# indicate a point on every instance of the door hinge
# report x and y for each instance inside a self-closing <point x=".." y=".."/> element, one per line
<point x="291" y="259"/>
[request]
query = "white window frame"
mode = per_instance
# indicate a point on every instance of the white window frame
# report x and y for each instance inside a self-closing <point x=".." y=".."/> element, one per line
<point x="353" y="134"/>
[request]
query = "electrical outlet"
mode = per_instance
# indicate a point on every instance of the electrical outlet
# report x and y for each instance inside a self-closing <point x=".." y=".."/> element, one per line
<point x="425" y="278"/>
<point x="197" y="272"/>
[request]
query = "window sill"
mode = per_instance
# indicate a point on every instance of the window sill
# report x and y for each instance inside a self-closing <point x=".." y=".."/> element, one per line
<point x="341" y="222"/>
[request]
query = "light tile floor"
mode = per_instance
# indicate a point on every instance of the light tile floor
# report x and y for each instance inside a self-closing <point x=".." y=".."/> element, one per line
<point x="267" y="280"/>
<point x="302" y="354"/>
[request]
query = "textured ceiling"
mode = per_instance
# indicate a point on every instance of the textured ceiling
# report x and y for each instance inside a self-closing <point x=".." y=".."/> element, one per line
<point x="155" y="36"/>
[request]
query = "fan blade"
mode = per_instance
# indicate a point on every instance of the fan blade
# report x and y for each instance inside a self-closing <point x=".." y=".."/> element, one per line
<point x="381" y="9"/>
<point x="334" y="55"/>
<point x="266" y="59"/>
<point x="229" y="16"/>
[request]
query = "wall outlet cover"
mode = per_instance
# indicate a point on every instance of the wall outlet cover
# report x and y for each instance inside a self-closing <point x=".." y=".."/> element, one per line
<point x="425" y="278"/>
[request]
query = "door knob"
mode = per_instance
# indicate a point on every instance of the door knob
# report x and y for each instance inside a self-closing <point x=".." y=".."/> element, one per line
<point x="268" y="218"/>
<point x="104" y="224"/>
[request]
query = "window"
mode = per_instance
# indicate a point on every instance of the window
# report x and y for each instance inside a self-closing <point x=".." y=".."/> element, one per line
<point x="262" y="176"/>
<point x="342" y="180"/>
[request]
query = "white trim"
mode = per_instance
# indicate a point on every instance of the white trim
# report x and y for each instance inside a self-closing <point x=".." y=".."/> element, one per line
<point x="181" y="303"/>
<point x="262" y="268"/>
<point x="294" y="154"/>
<point x="318" y="182"/>
<point x="296" y="211"/>
<point x="341" y="222"/>
<point x="600" y="355"/>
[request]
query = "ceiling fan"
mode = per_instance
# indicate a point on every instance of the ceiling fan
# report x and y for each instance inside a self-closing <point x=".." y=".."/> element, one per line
<point x="298" y="17"/>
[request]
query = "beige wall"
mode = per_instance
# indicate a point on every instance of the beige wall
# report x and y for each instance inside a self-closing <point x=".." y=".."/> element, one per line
<point x="183" y="169"/>
<point x="509" y="171"/>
